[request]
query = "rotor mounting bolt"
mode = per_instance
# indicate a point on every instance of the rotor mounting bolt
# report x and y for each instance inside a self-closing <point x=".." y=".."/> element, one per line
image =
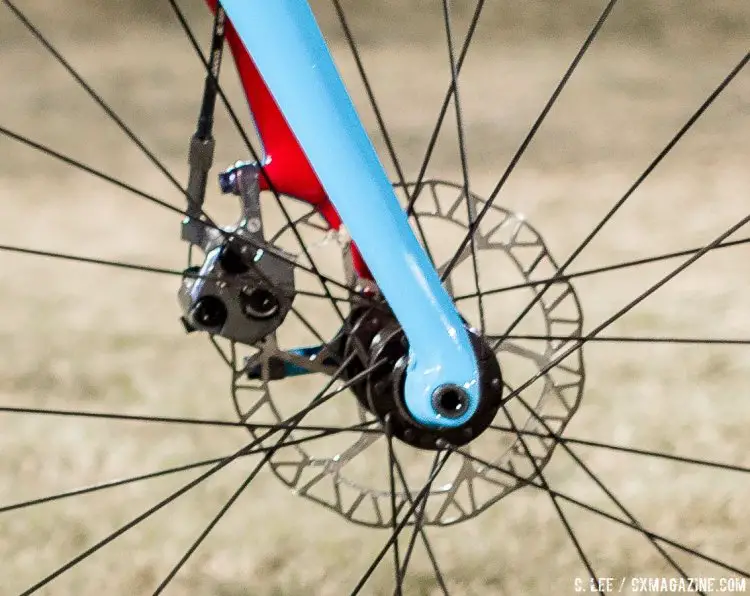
<point x="253" y="225"/>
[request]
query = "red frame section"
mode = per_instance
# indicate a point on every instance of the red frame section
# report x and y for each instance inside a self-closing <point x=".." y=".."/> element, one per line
<point x="285" y="163"/>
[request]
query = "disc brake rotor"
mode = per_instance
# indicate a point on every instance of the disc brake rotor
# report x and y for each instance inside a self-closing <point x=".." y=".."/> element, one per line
<point x="348" y="472"/>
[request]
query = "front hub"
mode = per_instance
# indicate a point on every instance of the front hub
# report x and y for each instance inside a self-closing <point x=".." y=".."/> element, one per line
<point x="377" y="338"/>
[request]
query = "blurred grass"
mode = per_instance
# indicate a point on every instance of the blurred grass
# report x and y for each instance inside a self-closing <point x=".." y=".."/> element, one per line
<point x="96" y="338"/>
<point x="418" y="21"/>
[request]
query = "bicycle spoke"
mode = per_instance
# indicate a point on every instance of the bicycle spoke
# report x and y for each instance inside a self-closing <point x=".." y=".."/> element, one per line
<point x="606" y="269"/>
<point x="93" y="94"/>
<point x="179" y="421"/>
<point x="604" y="514"/>
<point x="135" y="139"/>
<point x="419" y="527"/>
<point x="651" y="167"/>
<point x="470" y="211"/>
<point x="86" y="168"/>
<point x="444" y="109"/>
<point x="131" y="266"/>
<point x="624" y="310"/>
<point x="348" y="35"/>
<point x="151" y="198"/>
<point x="603" y="487"/>
<point x="392" y="481"/>
<point x="422" y="495"/>
<point x="623" y="449"/>
<point x="532" y="132"/>
<point x="212" y="524"/>
<point x="317" y="401"/>
<point x="545" y="486"/>
<point x="92" y="261"/>
<point x="266" y="458"/>
<point x="160" y="505"/>
<point x="628" y="339"/>
<point x="158" y="474"/>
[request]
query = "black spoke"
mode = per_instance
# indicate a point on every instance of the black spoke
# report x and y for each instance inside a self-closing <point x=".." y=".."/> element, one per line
<point x="444" y="109"/>
<point x="131" y="266"/>
<point x="368" y="90"/>
<point x="604" y="514"/>
<point x="624" y="310"/>
<point x="86" y="168"/>
<point x="318" y="401"/>
<point x="651" y="167"/>
<point x="151" y="198"/>
<point x="160" y="505"/>
<point x="178" y="420"/>
<point x="564" y="277"/>
<point x="193" y="547"/>
<point x="532" y="133"/>
<point x="423" y="494"/>
<point x="135" y="139"/>
<point x="93" y="94"/>
<point x="628" y="339"/>
<point x="158" y="474"/>
<point x="545" y="486"/>
<point x="214" y="521"/>
<point x="624" y="449"/>
<point x="419" y="527"/>
<point x="392" y="481"/>
<point x="92" y="261"/>
<point x="470" y="210"/>
<point x="603" y="487"/>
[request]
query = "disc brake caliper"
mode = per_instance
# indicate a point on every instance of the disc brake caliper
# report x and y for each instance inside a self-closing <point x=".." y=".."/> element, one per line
<point x="245" y="287"/>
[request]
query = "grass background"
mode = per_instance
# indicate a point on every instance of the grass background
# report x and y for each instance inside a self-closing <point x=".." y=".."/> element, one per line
<point x="84" y="337"/>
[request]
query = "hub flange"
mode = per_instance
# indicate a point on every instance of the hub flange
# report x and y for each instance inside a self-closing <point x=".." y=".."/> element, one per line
<point x="377" y="338"/>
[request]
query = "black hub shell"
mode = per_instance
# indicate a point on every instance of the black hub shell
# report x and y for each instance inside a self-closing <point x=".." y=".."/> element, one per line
<point x="378" y="333"/>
